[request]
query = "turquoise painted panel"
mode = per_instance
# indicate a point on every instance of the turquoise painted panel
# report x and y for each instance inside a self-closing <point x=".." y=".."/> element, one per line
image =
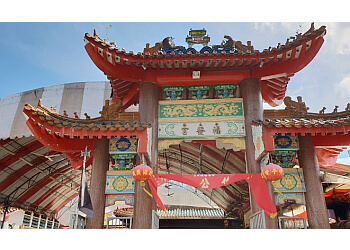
<point x="119" y="184"/>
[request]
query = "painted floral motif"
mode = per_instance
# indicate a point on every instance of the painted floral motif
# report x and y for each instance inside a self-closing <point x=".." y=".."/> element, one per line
<point x="224" y="91"/>
<point x="120" y="183"/>
<point x="286" y="142"/>
<point x="199" y="92"/>
<point x="201" y="109"/>
<point x="122" y="145"/>
<point x="297" y="197"/>
<point x="173" y="93"/>
<point x="111" y="199"/>
<point x="288" y="181"/>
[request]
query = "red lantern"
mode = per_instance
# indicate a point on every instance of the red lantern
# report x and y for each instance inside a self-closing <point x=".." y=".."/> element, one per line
<point x="142" y="173"/>
<point x="272" y="172"/>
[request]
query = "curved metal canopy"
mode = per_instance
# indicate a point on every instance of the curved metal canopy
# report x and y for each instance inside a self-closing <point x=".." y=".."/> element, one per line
<point x="195" y="158"/>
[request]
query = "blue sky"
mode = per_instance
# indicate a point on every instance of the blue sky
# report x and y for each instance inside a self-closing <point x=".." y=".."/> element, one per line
<point x="41" y="53"/>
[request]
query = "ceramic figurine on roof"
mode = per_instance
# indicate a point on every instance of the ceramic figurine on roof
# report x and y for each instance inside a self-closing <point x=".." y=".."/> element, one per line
<point x="110" y="111"/>
<point x="169" y="46"/>
<point x="298" y="108"/>
<point x="227" y="42"/>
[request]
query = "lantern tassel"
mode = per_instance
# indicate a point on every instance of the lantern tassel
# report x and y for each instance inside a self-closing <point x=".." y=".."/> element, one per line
<point x="273" y="215"/>
<point x="147" y="192"/>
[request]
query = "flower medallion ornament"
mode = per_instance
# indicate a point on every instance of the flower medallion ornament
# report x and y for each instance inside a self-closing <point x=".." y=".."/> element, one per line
<point x="120" y="183"/>
<point x="288" y="181"/>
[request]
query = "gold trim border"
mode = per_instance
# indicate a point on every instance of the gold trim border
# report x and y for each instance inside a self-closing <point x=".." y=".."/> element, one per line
<point x="201" y="101"/>
<point x="193" y="120"/>
<point x="119" y="172"/>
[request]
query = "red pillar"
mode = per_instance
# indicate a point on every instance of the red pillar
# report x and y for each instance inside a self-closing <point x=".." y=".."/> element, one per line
<point x="100" y="163"/>
<point x="253" y="110"/>
<point x="148" y="109"/>
<point x="315" y="203"/>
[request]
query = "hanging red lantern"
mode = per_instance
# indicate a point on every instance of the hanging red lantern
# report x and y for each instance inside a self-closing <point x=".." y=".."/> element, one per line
<point x="142" y="173"/>
<point x="272" y="173"/>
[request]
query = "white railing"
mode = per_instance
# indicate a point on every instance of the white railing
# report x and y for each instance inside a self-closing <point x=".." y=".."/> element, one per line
<point x="74" y="225"/>
<point x="119" y="222"/>
<point x="257" y="220"/>
<point x="292" y="223"/>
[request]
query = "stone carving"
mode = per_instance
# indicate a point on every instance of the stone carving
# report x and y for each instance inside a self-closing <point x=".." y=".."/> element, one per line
<point x="298" y="108"/>
<point x="110" y="112"/>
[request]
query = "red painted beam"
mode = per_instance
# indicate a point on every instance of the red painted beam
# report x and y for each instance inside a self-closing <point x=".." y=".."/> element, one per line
<point x="331" y="140"/>
<point x="131" y="96"/>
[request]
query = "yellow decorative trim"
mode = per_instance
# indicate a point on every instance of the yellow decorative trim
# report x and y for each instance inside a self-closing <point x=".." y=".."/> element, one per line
<point x="205" y="101"/>
<point x="119" y="172"/>
<point x="213" y="119"/>
<point x="164" y="144"/>
<point x="237" y="142"/>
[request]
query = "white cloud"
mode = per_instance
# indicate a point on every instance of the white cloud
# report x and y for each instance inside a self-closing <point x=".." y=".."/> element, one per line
<point x="338" y="34"/>
<point x="344" y="161"/>
<point x="344" y="86"/>
<point x="287" y="27"/>
<point x="267" y="106"/>
<point x="265" y="26"/>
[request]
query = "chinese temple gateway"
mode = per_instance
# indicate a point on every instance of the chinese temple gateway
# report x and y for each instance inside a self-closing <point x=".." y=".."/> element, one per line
<point x="201" y="122"/>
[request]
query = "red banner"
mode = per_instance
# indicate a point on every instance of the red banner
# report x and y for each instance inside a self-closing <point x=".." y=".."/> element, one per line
<point x="257" y="185"/>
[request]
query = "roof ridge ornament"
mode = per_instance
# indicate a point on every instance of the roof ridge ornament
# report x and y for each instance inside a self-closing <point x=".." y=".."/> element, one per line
<point x="111" y="111"/>
<point x="297" y="108"/>
<point x="167" y="46"/>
